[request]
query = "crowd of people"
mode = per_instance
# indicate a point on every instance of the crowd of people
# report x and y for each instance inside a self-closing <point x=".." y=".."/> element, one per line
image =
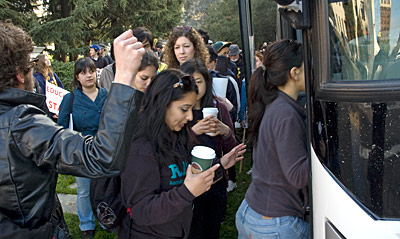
<point x="136" y="114"/>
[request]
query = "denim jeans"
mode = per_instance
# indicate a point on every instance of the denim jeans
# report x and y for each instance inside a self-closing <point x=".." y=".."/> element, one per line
<point x="85" y="213"/>
<point x="250" y="224"/>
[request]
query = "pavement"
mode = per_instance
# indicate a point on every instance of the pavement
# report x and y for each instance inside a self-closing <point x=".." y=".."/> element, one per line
<point x="68" y="202"/>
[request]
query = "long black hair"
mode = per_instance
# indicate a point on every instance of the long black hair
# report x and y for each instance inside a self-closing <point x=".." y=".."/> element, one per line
<point x="196" y="65"/>
<point x="279" y="58"/>
<point x="168" y="86"/>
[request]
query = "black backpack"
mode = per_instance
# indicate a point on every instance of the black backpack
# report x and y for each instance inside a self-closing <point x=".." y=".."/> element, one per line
<point x="105" y="193"/>
<point x="106" y="202"/>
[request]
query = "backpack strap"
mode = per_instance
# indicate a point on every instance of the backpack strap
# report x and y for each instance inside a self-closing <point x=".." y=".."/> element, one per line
<point x="71" y="103"/>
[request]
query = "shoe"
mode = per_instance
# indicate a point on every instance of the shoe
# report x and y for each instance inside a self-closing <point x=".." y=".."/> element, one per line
<point x="249" y="172"/>
<point x="88" y="234"/>
<point x="231" y="186"/>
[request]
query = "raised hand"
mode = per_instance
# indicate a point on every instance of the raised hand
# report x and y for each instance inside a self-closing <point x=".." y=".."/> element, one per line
<point x="128" y="53"/>
<point x="236" y="154"/>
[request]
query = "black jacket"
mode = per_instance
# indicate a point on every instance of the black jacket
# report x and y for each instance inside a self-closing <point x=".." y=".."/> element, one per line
<point x="33" y="150"/>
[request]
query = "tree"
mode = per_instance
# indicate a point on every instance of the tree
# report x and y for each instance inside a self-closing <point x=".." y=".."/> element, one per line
<point x="195" y="12"/>
<point x="20" y="12"/>
<point x="223" y="21"/>
<point x="73" y="24"/>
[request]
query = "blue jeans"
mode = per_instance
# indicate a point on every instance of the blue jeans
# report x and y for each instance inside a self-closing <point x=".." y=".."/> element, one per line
<point x="250" y="224"/>
<point x="85" y="213"/>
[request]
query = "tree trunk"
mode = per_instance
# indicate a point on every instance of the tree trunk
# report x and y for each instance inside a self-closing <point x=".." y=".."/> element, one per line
<point x="65" y="12"/>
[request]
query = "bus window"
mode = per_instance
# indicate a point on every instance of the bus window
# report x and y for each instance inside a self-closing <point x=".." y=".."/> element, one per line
<point x="364" y="40"/>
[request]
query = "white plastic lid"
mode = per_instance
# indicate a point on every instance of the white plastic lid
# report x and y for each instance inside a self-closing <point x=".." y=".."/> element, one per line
<point x="203" y="152"/>
<point x="210" y="109"/>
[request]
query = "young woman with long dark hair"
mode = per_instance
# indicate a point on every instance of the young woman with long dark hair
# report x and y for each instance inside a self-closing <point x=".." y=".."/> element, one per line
<point x="87" y="104"/>
<point x="209" y="208"/>
<point x="158" y="186"/>
<point x="274" y="203"/>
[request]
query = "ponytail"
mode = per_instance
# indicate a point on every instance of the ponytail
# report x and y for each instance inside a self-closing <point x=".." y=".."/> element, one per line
<point x="279" y="58"/>
<point x="261" y="94"/>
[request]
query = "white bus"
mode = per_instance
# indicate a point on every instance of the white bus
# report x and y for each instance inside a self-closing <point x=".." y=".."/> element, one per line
<point x="352" y="67"/>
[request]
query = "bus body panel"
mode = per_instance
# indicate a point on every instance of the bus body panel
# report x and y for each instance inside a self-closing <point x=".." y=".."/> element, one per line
<point x="332" y="203"/>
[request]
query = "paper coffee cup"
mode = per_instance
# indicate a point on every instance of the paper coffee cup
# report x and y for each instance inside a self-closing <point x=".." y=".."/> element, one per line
<point x="219" y="86"/>
<point x="207" y="111"/>
<point x="202" y="158"/>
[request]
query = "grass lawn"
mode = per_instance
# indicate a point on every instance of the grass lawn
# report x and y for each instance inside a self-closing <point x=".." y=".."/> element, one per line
<point x="228" y="229"/>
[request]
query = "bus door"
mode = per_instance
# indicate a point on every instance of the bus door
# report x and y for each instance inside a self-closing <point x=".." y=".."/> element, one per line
<point x="354" y="117"/>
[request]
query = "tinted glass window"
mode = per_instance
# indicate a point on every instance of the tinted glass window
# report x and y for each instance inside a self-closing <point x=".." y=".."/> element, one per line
<point x="360" y="145"/>
<point x="364" y="40"/>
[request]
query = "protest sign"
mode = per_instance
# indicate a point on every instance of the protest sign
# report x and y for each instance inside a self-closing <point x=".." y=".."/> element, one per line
<point x="54" y="96"/>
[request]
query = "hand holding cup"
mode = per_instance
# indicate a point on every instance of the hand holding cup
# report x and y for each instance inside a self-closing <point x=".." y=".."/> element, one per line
<point x="197" y="184"/>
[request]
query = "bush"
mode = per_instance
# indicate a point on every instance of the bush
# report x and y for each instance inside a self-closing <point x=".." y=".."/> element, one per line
<point x="65" y="72"/>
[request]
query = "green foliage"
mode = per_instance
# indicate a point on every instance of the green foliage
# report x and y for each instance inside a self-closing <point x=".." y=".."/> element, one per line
<point x="65" y="72"/>
<point x="223" y="22"/>
<point x="19" y="13"/>
<point x="264" y="21"/>
<point x="63" y="183"/>
<point x="72" y="221"/>
<point x="74" y="24"/>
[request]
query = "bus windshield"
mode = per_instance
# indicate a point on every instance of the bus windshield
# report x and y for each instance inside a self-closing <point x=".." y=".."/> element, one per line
<point x="364" y="40"/>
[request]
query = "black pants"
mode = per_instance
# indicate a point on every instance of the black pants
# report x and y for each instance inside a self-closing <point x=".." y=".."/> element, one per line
<point x="232" y="174"/>
<point x="208" y="212"/>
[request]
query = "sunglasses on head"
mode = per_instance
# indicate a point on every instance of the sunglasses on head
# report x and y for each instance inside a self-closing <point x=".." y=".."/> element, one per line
<point x="184" y="82"/>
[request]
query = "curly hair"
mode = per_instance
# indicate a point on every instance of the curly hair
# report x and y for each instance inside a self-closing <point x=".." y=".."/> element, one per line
<point x="41" y="67"/>
<point x="196" y="39"/>
<point x="15" y="49"/>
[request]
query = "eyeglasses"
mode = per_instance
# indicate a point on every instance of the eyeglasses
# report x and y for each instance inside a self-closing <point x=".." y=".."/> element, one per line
<point x="185" y="28"/>
<point x="184" y="82"/>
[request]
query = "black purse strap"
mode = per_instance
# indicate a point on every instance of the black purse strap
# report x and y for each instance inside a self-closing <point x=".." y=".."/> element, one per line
<point x="71" y="102"/>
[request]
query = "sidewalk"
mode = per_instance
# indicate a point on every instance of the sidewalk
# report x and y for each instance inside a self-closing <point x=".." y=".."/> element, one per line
<point x="68" y="202"/>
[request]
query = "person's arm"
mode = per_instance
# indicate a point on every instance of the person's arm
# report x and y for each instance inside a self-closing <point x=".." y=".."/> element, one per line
<point x="231" y="96"/>
<point x="49" y="145"/>
<point x="42" y="82"/>
<point x="107" y="77"/>
<point x="228" y="141"/>
<point x="291" y="150"/>
<point x="63" y="113"/>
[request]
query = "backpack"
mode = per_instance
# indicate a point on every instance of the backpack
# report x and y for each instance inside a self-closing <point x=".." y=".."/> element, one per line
<point x="105" y="193"/>
<point x="106" y="201"/>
